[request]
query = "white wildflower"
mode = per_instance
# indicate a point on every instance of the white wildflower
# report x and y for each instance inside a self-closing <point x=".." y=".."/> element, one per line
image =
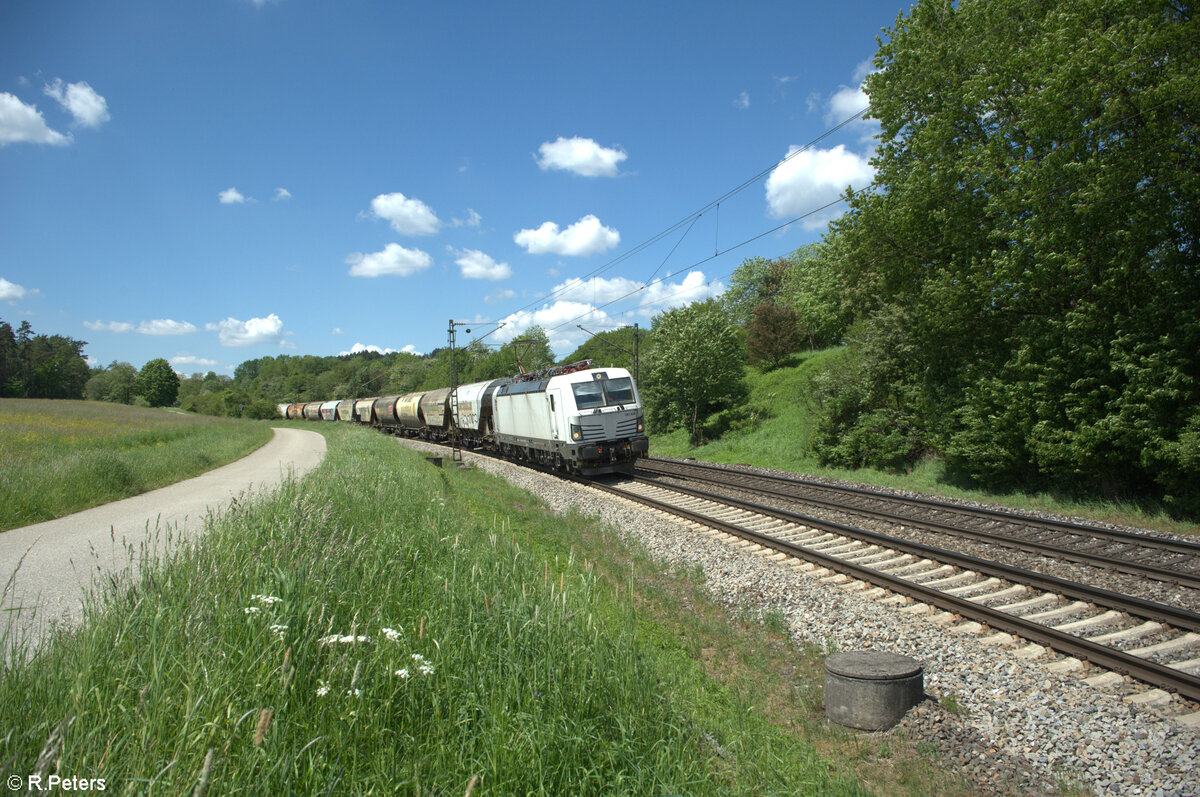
<point x="322" y="690"/>
<point x="269" y="600"/>
<point x="252" y="610"/>
<point x="403" y="673"/>
<point x="345" y="639"/>
<point x="354" y="692"/>
<point x="419" y="659"/>
<point x="278" y="630"/>
<point x="425" y="669"/>
<point x="392" y="633"/>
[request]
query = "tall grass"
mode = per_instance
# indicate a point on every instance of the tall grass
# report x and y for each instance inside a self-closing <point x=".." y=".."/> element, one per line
<point x="388" y="627"/>
<point x="781" y="423"/>
<point x="58" y="457"/>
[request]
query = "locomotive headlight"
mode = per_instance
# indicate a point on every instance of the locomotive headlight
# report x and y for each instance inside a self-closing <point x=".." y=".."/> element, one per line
<point x="576" y="433"/>
<point x="641" y="424"/>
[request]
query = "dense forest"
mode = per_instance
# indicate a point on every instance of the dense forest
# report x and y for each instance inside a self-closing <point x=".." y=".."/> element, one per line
<point x="1018" y="292"/>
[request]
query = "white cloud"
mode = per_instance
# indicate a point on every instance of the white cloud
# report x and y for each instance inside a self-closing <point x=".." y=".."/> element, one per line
<point x="10" y="291"/>
<point x="394" y="259"/>
<point x="232" y="332"/>
<point x="499" y="295"/>
<point x="24" y="123"/>
<point x="650" y="299"/>
<point x="407" y="216"/>
<point x="281" y="194"/>
<point x="582" y="156"/>
<point x="478" y="266"/>
<point x="88" y="107"/>
<point x="231" y="196"/>
<point x="812" y="178"/>
<point x="108" y="326"/>
<point x="358" y="348"/>
<point x="576" y="302"/>
<point x="473" y="219"/>
<point x="742" y="101"/>
<point x="181" y="360"/>
<point x="585" y="237"/>
<point x="338" y="331"/>
<point x="165" y="326"/>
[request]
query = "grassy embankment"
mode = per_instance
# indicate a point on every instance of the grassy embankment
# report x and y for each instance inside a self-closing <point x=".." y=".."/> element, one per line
<point x="58" y="457"/>
<point x="779" y="438"/>
<point x="389" y="627"/>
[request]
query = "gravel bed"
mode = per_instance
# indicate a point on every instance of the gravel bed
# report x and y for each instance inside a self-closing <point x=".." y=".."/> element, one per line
<point x="1137" y="586"/>
<point x="1009" y="725"/>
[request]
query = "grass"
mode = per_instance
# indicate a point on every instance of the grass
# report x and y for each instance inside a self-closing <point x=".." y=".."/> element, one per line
<point x="59" y="457"/>
<point x="388" y="627"/>
<point x="779" y="438"/>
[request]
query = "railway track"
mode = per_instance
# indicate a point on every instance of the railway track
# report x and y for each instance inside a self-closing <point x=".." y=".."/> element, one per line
<point x="1151" y="642"/>
<point x="1162" y="559"/>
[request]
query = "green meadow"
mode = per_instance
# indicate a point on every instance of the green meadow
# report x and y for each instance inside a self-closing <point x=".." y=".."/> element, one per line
<point x="385" y="626"/>
<point x="58" y="457"/>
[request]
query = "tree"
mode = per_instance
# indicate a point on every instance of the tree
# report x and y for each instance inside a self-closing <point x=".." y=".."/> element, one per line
<point x="697" y="367"/>
<point x="813" y="286"/>
<point x="1036" y="213"/>
<point x="755" y="281"/>
<point x="772" y="335"/>
<point x="158" y="383"/>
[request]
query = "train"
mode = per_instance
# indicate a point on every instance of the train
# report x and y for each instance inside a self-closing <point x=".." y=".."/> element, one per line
<point x="576" y="418"/>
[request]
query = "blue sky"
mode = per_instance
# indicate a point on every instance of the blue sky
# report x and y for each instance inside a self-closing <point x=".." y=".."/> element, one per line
<point x="217" y="181"/>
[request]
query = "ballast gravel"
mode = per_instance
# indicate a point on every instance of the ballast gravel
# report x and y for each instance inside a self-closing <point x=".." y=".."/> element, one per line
<point x="1008" y="725"/>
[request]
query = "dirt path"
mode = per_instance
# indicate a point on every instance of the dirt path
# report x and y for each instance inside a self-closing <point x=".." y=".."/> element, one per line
<point x="46" y="568"/>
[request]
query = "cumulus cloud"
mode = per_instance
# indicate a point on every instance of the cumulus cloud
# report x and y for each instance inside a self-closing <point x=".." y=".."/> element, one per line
<point x="585" y="237"/>
<point x="581" y="156"/>
<point x="231" y="196"/>
<point x="808" y="179"/>
<point x="24" y="123"/>
<point x="358" y="348"/>
<point x="232" y="332"/>
<point x="476" y="265"/>
<point x="108" y="326"/>
<point x="407" y="216"/>
<point x="165" y="326"/>
<point x="10" y="291"/>
<point x="394" y="259"/>
<point x="742" y="101"/>
<point x="281" y="194"/>
<point x="86" y="106"/>
<point x="473" y="219"/>
<point x="182" y="360"/>
<point x="580" y="302"/>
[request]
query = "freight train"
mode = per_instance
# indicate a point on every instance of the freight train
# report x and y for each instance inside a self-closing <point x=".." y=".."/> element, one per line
<point x="575" y="418"/>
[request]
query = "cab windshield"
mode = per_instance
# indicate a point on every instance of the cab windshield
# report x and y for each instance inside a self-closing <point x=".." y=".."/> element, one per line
<point x="603" y="393"/>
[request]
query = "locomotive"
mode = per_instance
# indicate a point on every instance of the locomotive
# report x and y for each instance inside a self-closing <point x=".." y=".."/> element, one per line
<point x="575" y="418"/>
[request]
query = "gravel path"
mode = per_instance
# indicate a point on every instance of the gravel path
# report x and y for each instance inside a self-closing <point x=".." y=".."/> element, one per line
<point x="1010" y="725"/>
<point x="46" y="568"/>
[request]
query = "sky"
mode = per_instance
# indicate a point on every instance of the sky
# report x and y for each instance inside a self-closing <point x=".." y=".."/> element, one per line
<point x="212" y="182"/>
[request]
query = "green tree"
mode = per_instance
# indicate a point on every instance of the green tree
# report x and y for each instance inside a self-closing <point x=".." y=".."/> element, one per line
<point x="158" y="383"/>
<point x="813" y="286"/>
<point x="755" y="281"/>
<point x="697" y="367"/>
<point x="771" y="335"/>
<point x="1035" y="212"/>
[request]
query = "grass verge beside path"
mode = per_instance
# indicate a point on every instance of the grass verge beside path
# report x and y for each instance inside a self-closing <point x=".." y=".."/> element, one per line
<point x="773" y="431"/>
<point x="385" y="626"/>
<point x="59" y="457"/>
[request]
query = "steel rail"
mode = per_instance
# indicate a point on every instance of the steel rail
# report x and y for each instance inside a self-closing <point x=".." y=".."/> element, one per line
<point x="1029" y="546"/>
<point x="1110" y="658"/>
<point x="1174" y="546"/>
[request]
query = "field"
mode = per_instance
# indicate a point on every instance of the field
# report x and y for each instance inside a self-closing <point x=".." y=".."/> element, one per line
<point x="776" y="434"/>
<point x="389" y="627"/>
<point x="58" y="457"/>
